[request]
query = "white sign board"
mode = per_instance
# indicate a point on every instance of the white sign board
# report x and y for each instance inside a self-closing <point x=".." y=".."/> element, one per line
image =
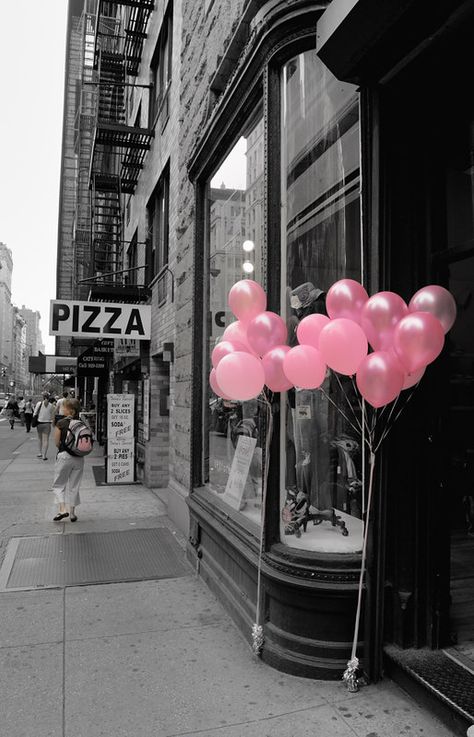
<point x="100" y="320"/>
<point x="120" y="461"/>
<point x="146" y="408"/>
<point x="239" y="471"/>
<point x="120" y="438"/>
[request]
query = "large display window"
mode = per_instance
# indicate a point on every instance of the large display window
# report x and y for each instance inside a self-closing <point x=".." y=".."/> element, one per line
<point x="235" y="430"/>
<point x="321" y="478"/>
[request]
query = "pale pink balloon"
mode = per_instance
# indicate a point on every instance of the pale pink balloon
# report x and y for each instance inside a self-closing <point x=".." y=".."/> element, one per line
<point x="215" y="386"/>
<point x="380" y="316"/>
<point x="304" y="367"/>
<point x="346" y="298"/>
<point x="223" y="348"/>
<point x="266" y="331"/>
<point x="379" y="379"/>
<point x="236" y="332"/>
<point x="240" y="376"/>
<point x="413" y="378"/>
<point x="309" y="329"/>
<point x="272" y="362"/>
<point x="247" y="299"/>
<point x="343" y="345"/>
<point x="417" y="340"/>
<point x="436" y="300"/>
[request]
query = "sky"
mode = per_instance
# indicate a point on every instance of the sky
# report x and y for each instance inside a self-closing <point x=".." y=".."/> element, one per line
<point x="32" y="51"/>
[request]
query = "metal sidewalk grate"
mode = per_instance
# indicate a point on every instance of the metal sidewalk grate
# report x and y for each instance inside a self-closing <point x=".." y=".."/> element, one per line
<point x="75" y="559"/>
<point x="449" y="681"/>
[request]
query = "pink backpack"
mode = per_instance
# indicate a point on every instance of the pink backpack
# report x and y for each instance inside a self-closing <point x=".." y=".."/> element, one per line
<point x="79" y="440"/>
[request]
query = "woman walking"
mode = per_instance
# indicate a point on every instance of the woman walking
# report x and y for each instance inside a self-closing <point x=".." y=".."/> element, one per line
<point x="69" y="468"/>
<point x="44" y="411"/>
<point x="28" y="413"/>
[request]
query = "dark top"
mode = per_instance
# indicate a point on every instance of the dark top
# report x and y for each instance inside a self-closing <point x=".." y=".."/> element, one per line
<point x="63" y="426"/>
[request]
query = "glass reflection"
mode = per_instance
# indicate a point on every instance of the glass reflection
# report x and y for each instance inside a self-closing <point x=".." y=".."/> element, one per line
<point x="321" y="462"/>
<point x="235" y="431"/>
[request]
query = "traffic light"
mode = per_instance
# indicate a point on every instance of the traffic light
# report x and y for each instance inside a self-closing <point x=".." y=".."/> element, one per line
<point x="4" y="371"/>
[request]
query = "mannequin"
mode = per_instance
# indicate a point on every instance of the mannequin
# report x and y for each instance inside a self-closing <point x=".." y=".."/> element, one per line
<point x="310" y="456"/>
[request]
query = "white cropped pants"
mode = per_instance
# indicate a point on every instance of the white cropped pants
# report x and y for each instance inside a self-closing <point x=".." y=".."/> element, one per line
<point x="68" y="472"/>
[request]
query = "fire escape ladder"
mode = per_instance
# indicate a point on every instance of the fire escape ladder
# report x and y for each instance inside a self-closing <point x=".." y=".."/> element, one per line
<point x="106" y="226"/>
<point x="138" y="14"/>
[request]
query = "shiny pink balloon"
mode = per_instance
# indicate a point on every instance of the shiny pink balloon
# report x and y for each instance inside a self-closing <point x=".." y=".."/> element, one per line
<point x="247" y="299"/>
<point x="272" y="362"/>
<point x="436" y="300"/>
<point x="417" y="340"/>
<point x="379" y="318"/>
<point x="240" y="376"/>
<point x="413" y="378"/>
<point x="215" y="386"/>
<point x="343" y="345"/>
<point x="346" y="298"/>
<point x="309" y="329"/>
<point x="410" y="379"/>
<point x="266" y="331"/>
<point x="379" y="379"/>
<point x="223" y="348"/>
<point x="236" y="332"/>
<point x="304" y="367"/>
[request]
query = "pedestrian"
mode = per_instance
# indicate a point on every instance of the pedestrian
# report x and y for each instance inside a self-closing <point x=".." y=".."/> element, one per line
<point x="69" y="468"/>
<point x="59" y="408"/>
<point x="12" y="411"/>
<point x="28" y="412"/>
<point x="45" y="412"/>
<point x="21" y="409"/>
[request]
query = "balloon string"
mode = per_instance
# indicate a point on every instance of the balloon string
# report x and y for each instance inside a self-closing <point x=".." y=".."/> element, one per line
<point x="364" y="556"/>
<point x="326" y="395"/>
<point x="268" y="436"/>
<point x="348" y="401"/>
<point x="362" y="406"/>
<point x="387" y="427"/>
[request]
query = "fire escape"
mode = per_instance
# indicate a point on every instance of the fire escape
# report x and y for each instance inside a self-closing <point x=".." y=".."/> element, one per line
<point x="120" y="142"/>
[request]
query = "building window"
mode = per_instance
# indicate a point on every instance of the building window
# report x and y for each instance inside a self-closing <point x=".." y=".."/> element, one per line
<point x="158" y="226"/>
<point x="234" y="429"/>
<point x="160" y="72"/>
<point x="132" y="260"/>
<point x="321" y="483"/>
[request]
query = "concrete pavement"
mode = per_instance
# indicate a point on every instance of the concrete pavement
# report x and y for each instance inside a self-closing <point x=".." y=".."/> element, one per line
<point x="151" y="658"/>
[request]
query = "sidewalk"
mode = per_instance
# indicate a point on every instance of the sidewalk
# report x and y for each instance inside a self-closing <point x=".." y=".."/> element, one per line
<point x="150" y="658"/>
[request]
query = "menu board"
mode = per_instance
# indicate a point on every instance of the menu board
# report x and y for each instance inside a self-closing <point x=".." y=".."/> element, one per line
<point x="120" y="438"/>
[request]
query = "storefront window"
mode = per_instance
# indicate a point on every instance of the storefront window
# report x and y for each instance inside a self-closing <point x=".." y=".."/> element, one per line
<point x="235" y="432"/>
<point x="321" y="499"/>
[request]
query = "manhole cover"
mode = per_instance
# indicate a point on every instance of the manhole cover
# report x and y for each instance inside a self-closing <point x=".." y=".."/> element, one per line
<point x="91" y="557"/>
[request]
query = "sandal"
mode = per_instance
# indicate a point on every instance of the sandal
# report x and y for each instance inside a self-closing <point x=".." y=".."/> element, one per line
<point x="60" y="516"/>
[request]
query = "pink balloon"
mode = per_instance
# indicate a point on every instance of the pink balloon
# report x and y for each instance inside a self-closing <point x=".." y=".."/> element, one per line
<point x="247" y="299"/>
<point x="379" y="379"/>
<point x="215" y="386"/>
<point x="272" y="362"/>
<point x="413" y="378"/>
<point x="240" y="375"/>
<point x="223" y="348"/>
<point x="410" y="379"/>
<point x="309" y="329"/>
<point x="343" y="345"/>
<point x="436" y="300"/>
<point x="304" y="367"/>
<point x="346" y="298"/>
<point x="266" y="331"/>
<point x="418" y="339"/>
<point x="236" y="332"/>
<point x="379" y="318"/>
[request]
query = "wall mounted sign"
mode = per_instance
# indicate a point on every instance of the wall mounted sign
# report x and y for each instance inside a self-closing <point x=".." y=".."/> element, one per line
<point x="100" y="320"/>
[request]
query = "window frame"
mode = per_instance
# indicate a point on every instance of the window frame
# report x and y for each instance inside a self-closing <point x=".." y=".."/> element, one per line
<point x="161" y="68"/>
<point x="158" y="257"/>
<point x="263" y="67"/>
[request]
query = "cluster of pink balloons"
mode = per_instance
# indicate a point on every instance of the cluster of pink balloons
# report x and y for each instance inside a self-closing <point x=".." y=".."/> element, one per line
<point x="404" y="338"/>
